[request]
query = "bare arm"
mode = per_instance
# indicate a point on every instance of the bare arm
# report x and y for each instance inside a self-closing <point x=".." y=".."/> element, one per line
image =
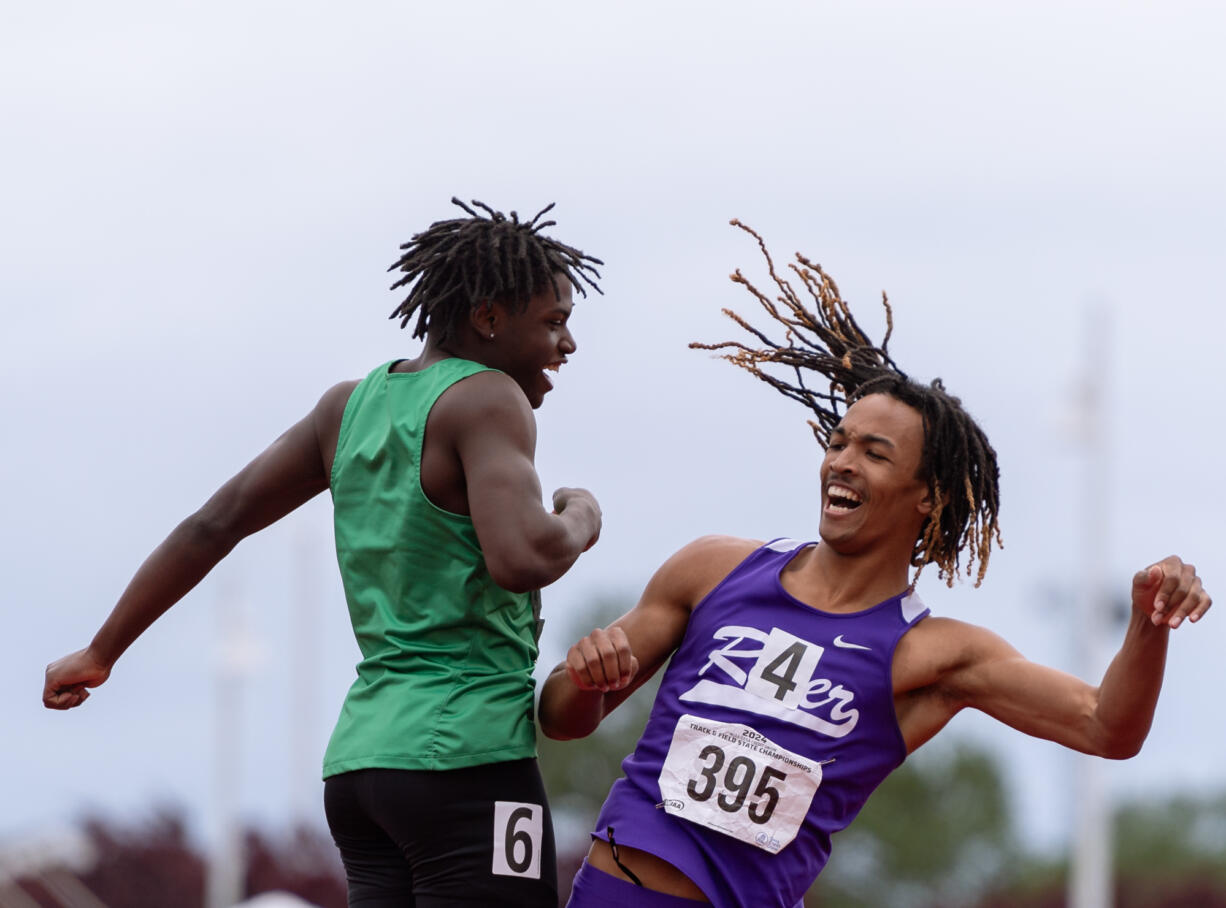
<point x="608" y="665"/>
<point x="1111" y="720"/>
<point x="292" y="470"/>
<point x="525" y="546"/>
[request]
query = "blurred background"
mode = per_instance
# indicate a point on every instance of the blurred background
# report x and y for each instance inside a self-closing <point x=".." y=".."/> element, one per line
<point x="199" y="204"/>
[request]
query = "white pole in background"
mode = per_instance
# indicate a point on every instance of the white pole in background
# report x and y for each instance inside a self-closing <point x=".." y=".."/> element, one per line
<point x="1090" y="874"/>
<point x="304" y="762"/>
<point x="234" y="659"/>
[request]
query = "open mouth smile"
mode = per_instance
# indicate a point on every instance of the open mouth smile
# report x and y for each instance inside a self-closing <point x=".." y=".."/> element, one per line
<point x="842" y="500"/>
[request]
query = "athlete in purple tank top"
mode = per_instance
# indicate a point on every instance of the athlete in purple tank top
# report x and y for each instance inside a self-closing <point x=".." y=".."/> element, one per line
<point x="803" y="674"/>
<point x="773" y="724"/>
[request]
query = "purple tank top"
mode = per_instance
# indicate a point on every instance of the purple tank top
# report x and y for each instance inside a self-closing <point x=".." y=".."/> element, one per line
<point x="773" y="724"/>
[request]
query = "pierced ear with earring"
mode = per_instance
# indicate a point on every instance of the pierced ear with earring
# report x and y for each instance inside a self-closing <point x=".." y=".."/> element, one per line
<point x="484" y="313"/>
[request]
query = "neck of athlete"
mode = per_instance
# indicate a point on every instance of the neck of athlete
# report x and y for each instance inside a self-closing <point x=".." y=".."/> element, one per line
<point x="462" y="344"/>
<point x="848" y="581"/>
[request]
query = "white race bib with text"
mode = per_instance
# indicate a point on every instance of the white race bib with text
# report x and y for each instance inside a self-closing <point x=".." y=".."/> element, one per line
<point x="727" y="777"/>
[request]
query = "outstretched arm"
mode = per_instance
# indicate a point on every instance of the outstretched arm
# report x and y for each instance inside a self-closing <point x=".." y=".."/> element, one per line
<point x="288" y="473"/>
<point x="609" y="664"/>
<point x="1111" y="720"/>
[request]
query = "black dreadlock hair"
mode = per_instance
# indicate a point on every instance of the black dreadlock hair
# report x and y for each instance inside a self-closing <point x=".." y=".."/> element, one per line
<point x="958" y="463"/>
<point x="462" y="263"/>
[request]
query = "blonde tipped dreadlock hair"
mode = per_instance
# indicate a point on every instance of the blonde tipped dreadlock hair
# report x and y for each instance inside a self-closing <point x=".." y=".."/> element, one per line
<point x="957" y="462"/>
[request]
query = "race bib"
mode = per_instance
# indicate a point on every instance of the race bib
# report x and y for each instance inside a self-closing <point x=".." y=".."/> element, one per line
<point x="518" y="838"/>
<point x="727" y="777"/>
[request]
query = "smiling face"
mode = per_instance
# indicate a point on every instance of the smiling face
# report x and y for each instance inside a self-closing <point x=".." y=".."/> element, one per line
<point x="530" y="345"/>
<point x="872" y="494"/>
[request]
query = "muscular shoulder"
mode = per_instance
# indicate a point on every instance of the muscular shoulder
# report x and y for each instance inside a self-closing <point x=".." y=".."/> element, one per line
<point x="717" y="548"/>
<point x="331" y="405"/>
<point x="656" y="625"/>
<point x="938" y="652"/>
<point x="483" y="403"/>
<point x="327" y="416"/>
<point x="695" y="569"/>
<point x="486" y="390"/>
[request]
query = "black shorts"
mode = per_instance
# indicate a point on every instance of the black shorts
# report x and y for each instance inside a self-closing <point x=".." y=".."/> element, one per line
<point x="479" y="836"/>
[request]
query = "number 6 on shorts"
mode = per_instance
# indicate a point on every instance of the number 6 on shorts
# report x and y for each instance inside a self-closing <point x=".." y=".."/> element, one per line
<point x="518" y="830"/>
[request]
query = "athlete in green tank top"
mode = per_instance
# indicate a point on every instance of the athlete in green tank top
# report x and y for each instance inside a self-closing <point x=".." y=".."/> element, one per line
<point x="446" y="674"/>
<point x="432" y="792"/>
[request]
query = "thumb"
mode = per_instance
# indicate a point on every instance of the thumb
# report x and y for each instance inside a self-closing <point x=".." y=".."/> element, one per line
<point x="1147" y="577"/>
<point x="1145" y="588"/>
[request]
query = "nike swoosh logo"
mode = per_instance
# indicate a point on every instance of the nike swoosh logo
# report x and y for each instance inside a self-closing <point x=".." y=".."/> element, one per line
<point x="843" y="644"/>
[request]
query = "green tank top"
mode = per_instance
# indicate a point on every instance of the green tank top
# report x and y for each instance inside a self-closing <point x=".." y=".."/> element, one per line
<point x="445" y="679"/>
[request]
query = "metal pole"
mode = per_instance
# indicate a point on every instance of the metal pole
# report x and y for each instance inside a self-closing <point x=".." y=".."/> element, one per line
<point x="304" y="660"/>
<point x="224" y="884"/>
<point x="1090" y="874"/>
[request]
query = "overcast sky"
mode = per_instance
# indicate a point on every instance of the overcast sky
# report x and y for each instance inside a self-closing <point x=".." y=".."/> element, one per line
<point x="200" y="202"/>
